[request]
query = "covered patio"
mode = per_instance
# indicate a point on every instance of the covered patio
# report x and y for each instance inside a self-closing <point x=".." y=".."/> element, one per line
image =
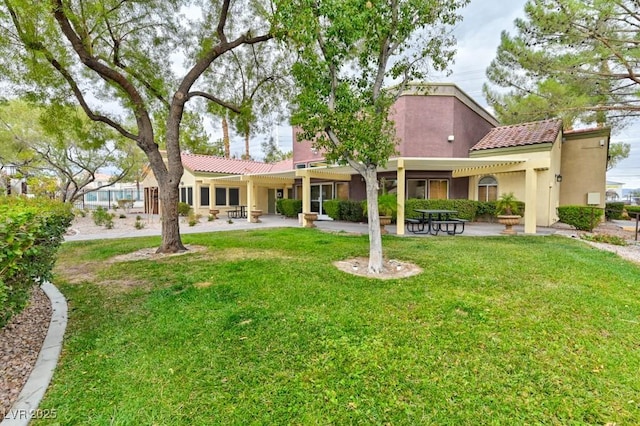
<point x="257" y="185"/>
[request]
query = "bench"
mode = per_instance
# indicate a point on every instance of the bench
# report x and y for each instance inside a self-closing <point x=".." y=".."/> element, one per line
<point x="239" y="212"/>
<point x="449" y="226"/>
<point x="414" y="225"/>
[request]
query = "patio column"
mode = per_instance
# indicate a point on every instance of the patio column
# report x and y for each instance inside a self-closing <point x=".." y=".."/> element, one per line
<point x="212" y="195"/>
<point x="400" y="176"/>
<point x="251" y="198"/>
<point x="530" y="200"/>
<point x="306" y="194"/>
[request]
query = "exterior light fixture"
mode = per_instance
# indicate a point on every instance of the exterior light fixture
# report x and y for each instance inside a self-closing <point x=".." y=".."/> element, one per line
<point x="558" y="178"/>
<point x="450" y="138"/>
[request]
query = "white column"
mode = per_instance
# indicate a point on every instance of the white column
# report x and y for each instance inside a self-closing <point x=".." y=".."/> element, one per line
<point x="400" y="176"/>
<point x="530" y="200"/>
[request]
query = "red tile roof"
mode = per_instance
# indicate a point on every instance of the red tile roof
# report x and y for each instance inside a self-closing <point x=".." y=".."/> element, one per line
<point x="213" y="164"/>
<point x="520" y="135"/>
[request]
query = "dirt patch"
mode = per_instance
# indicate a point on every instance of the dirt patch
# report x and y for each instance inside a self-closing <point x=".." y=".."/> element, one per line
<point x="150" y="254"/>
<point x="392" y="269"/>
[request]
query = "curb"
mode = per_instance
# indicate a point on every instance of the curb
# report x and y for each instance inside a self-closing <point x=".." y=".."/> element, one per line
<point x="26" y="406"/>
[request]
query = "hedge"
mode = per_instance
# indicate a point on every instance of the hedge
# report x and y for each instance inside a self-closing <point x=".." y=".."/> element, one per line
<point x="613" y="210"/>
<point x="289" y="207"/>
<point x="583" y="218"/>
<point x="347" y="210"/>
<point x="31" y="230"/>
<point x="467" y="209"/>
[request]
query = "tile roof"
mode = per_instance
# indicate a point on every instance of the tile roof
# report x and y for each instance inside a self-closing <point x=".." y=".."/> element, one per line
<point x="520" y="135"/>
<point x="213" y="164"/>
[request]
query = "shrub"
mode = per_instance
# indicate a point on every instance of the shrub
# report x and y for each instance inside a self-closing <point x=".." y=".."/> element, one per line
<point x="125" y="204"/>
<point x="604" y="238"/>
<point x="31" y="230"/>
<point x="467" y="209"/>
<point x="352" y="211"/>
<point x="100" y="216"/>
<point x="583" y="218"/>
<point x="614" y="211"/>
<point x="183" y="209"/>
<point x="139" y="224"/>
<point x="332" y="209"/>
<point x="122" y="216"/>
<point x="289" y="207"/>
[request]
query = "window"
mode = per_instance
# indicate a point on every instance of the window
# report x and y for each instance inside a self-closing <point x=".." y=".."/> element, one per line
<point x="221" y="196"/>
<point x="388" y="186"/>
<point x="416" y="188"/>
<point x="487" y="189"/>
<point x="234" y="196"/>
<point x="438" y="189"/>
<point x="204" y="195"/>
<point x="227" y="196"/>
<point x="186" y="195"/>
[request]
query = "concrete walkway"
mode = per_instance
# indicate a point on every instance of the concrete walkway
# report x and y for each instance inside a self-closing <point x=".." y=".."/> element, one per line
<point x="26" y="406"/>
<point x="276" y="221"/>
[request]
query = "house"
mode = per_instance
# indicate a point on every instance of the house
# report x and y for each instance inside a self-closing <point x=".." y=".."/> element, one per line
<point x="98" y="194"/>
<point x="211" y="182"/>
<point x="614" y="191"/>
<point x="449" y="147"/>
<point x="12" y="182"/>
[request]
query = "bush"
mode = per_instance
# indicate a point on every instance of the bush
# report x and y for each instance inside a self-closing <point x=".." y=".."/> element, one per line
<point x="289" y="207"/>
<point x="613" y="211"/>
<point x="183" y="209"/>
<point x="633" y="209"/>
<point x="352" y="211"/>
<point x="467" y="209"/>
<point x="332" y="209"/>
<point x="583" y="218"/>
<point x="100" y="216"/>
<point x="31" y="230"/>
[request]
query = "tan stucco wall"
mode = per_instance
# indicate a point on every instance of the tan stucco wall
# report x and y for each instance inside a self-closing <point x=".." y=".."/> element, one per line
<point x="546" y="160"/>
<point x="584" y="160"/>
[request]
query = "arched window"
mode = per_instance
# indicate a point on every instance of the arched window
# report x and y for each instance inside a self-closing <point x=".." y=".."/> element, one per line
<point x="488" y="189"/>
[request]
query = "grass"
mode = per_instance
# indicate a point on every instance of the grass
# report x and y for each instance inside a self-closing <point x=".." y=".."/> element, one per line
<point x="262" y="329"/>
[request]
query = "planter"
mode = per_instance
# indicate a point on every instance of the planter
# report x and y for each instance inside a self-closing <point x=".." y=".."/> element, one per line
<point x="255" y="216"/>
<point x="508" y="220"/>
<point x="308" y="219"/>
<point x="384" y="221"/>
<point x="214" y="213"/>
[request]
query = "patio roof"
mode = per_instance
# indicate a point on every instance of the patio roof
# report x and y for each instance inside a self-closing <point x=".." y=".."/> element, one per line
<point x="460" y="167"/>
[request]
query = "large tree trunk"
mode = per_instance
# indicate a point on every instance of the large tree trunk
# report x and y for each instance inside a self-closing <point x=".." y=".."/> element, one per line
<point x="375" y="238"/>
<point x="225" y="137"/>
<point x="171" y="239"/>
<point x="168" y="176"/>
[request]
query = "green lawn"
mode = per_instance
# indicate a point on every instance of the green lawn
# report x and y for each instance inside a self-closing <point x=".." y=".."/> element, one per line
<point x="263" y="329"/>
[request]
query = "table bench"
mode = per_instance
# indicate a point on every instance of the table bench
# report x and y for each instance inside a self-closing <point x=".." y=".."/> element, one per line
<point x="450" y="226"/>
<point x="414" y="225"/>
<point x="239" y="212"/>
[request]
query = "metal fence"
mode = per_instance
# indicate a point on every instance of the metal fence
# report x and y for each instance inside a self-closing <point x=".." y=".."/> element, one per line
<point x="112" y="199"/>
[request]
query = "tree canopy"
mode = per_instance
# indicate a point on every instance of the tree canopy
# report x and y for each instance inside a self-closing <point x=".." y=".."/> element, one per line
<point x="355" y="58"/>
<point x="578" y="60"/>
<point x="130" y="65"/>
<point x="61" y="146"/>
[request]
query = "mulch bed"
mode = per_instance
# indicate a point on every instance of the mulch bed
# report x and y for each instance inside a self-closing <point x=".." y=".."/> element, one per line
<point x="20" y="343"/>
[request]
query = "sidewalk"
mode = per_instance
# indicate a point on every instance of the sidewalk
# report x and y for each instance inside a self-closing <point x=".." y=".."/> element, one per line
<point x="153" y="228"/>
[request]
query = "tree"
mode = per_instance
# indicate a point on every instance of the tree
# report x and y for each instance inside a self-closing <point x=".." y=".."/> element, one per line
<point x="575" y="59"/>
<point x="349" y="53"/>
<point x="617" y="152"/>
<point x="61" y="145"/>
<point x="262" y="88"/>
<point x="96" y="53"/>
<point x="273" y="153"/>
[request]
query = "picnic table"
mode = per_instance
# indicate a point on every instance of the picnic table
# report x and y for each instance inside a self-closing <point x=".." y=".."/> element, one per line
<point x="433" y="221"/>
<point x="239" y="212"/>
